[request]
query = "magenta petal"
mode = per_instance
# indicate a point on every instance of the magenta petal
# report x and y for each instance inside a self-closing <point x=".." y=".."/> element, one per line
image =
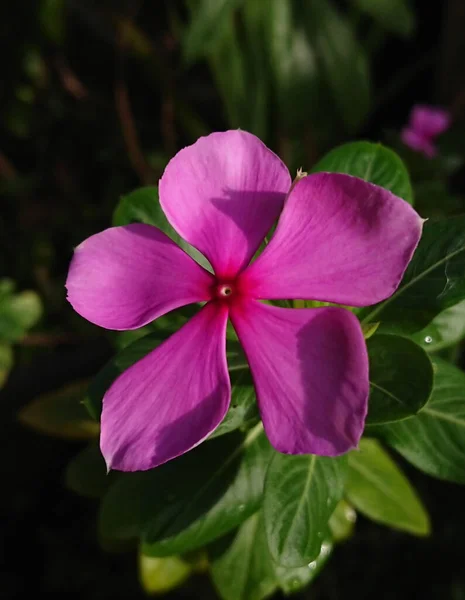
<point x="125" y="277"/>
<point x="419" y="142"/>
<point x="310" y="369"/>
<point x="339" y="239"/>
<point x="170" y="400"/>
<point x="222" y="195"/>
<point x="429" y="121"/>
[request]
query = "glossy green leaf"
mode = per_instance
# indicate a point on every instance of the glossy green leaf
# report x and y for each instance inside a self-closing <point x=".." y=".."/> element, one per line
<point x="434" y="280"/>
<point x="379" y="490"/>
<point x="342" y="59"/>
<point x="342" y="521"/>
<point x="61" y="414"/>
<point x="212" y="510"/>
<point x="372" y="162"/>
<point x="207" y="18"/>
<point x="393" y="15"/>
<point x="301" y="493"/>
<point x="434" y="440"/>
<point x="143" y="206"/>
<point x="245" y="570"/>
<point x="445" y="330"/>
<point x="161" y="575"/>
<point x="292" y="580"/>
<point x="401" y="378"/>
<point x="86" y="474"/>
<point x="6" y="362"/>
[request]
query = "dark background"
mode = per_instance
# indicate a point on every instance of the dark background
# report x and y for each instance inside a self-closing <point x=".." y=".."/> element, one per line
<point x="83" y="120"/>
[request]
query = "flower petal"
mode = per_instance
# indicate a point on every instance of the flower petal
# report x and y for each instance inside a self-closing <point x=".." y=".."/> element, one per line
<point x="418" y="141"/>
<point x="339" y="239"/>
<point x="429" y="120"/>
<point x="310" y="369"/>
<point x="222" y="195"/>
<point x="125" y="277"/>
<point x="170" y="400"/>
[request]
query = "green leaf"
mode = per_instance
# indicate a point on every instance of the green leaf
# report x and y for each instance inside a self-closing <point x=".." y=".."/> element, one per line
<point x="192" y="500"/>
<point x="434" y="440"/>
<point x="143" y="206"/>
<point x="401" y="378"/>
<point x="86" y="474"/>
<point x="161" y="575"/>
<point x="293" y="580"/>
<point x="342" y="521"/>
<point x="380" y="491"/>
<point x="207" y="19"/>
<point x="6" y="362"/>
<point x="342" y="59"/>
<point x="393" y="15"/>
<point x="447" y="329"/>
<point x="18" y="312"/>
<point x="301" y="493"/>
<point x="61" y="414"/>
<point x="372" y="162"/>
<point x="434" y="280"/>
<point x="212" y="509"/>
<point x="244" y="569"/>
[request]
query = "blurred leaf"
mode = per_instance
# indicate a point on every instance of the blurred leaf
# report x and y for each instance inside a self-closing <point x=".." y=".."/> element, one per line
<point x="206" y="514"/>
<point x="342" y="59"/>
<point x="161" y="575"/>
<point x="445" y="330"/>
<point x="434" y="440"/>
<point x="6" y="362"/>
<point x="393" y="15"/>
<point x="401" y="378"/>
<point x="342" y="521"/>
<point x="207" y="19"/>
<point x="143" y="206"/>
<point x="52" y="20"/>
<point x="61" y="414"/>
<point x="18" y="312"/>
<point x="434" y="280"/>
<point x="369" y="329"/>
<point x="372" y="162"/>
<point x="380" y="491"/>
<point x="301" y="493"/>
<point x="245" y="570"/>
<point x="86" y="474"/>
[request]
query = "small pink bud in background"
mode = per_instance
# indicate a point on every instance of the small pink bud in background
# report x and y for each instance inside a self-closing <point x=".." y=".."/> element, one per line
<point x="425" y="124"/>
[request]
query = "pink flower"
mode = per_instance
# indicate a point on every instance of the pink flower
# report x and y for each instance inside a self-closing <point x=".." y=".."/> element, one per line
<point x="425" y="124"/>
<point x="338" y="239"/>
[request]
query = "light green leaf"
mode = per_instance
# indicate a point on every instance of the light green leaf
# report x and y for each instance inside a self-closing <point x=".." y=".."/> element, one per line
<point x="434" y="280"/>
<point x="161" y="575"/>
<point x="342" y="521"/>
<point x="372" y="162"/>
<point x="393" y="15"/>
<point x="301" y="493"/>
<point x="380" y="491"/>
<point x="61" y="414"/>
<point x="445" y="330"/>
<point x="18" y="313"/>
<point x="401" y="378"/>
<point x="434" y="440"/>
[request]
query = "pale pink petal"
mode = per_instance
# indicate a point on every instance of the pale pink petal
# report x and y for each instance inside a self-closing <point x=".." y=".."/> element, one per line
<point x="429" y="120"/>
<point x="310" y="369"/>
<point x="125" y="277"/>
<point x="339" y="239"/>
<point x="170" y="400"/>
<point x="419" y="142"/>
<point x="222" y="195"/>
